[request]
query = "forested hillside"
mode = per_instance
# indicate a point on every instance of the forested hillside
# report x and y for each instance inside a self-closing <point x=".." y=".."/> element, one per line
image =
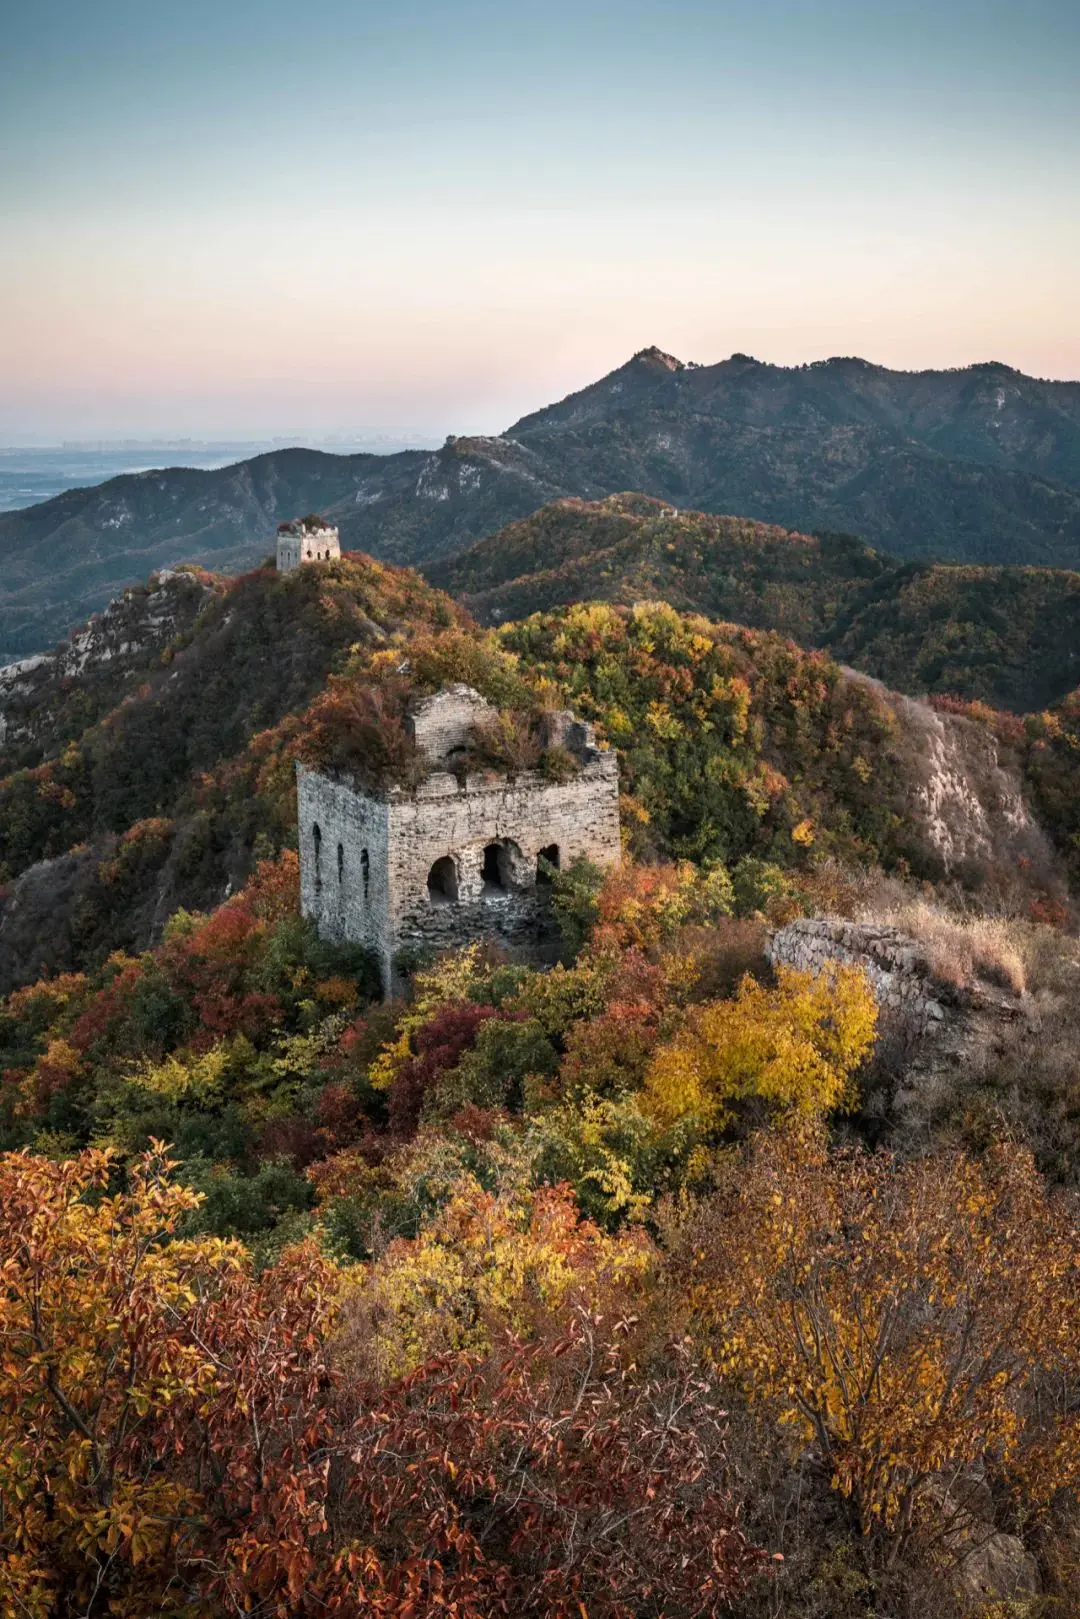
<point x="1006" y="636"/>
<point x="167" y="798"/>
<point x="630" y="547"/>
<point x="116" y="816"/>
<point x="669" y="1281"/>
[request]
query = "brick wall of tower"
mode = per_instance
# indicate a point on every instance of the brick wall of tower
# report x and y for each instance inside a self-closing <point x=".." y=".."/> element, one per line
<point x="348" y="898"/>
<point x="407" y="833"/>
<point x="445" y="722"/>
<point x="579" y="817"/>
<point x="308" y="545"/>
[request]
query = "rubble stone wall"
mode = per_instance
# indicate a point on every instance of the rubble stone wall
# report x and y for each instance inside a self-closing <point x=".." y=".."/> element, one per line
<point x="891" y="960"/>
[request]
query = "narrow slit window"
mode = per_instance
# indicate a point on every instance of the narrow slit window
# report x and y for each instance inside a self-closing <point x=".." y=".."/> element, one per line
<point x="316" y="838"/>
<point x="365" y="871"/>
<point x="340" y="864"/>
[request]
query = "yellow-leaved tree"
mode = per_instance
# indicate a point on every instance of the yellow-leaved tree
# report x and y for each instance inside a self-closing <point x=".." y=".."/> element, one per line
<point x="792" y="1048"/>
<point x="485" y="1265"/>
<point x="912" y="1320"/>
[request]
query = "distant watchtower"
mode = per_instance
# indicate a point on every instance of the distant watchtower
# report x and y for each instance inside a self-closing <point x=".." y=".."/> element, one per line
<point x="464" y="855"/>
<point x="305" y="539"/>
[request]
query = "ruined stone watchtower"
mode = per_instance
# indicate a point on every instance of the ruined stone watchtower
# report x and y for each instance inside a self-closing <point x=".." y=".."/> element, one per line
<point x="462" y="856"/>
<point x="305" y="539"/>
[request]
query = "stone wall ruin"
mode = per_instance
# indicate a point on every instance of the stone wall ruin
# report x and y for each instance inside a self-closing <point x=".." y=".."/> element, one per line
<point x="890" y="959"/>
<point x="935" y="1032"/>
<point x="462" y="856"/>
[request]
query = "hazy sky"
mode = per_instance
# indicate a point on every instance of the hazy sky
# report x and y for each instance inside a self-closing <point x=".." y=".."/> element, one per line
<point x="250" y="216"/>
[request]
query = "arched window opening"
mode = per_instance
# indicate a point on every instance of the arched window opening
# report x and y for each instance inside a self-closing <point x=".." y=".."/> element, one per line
<point x="340" y="864"/>
<point x="504" y="868"/>
<point x="316" y="838"/>
<point x="547" y="861"/>
<point x="365" y="871"/>
<point x="442" y="883"/>
<point x="494" y="869"/>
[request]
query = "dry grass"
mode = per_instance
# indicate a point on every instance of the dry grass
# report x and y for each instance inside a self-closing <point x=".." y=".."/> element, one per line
<point x="860" y="893"/>
<point x="961" y="951"/>
<point x="962" y="946"/>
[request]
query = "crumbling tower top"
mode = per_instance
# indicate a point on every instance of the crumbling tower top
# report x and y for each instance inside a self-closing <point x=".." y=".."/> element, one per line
<point x="305" y="539"/>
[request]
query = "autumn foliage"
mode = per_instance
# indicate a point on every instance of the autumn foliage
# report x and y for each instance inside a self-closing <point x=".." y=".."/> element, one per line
<point x="911" y="1320"/>
<point x="175" y="1436"/>
<point x="583" y="1290"/>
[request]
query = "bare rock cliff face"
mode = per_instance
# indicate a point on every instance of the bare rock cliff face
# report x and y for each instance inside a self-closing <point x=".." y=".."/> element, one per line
<point x="963" y="797"/>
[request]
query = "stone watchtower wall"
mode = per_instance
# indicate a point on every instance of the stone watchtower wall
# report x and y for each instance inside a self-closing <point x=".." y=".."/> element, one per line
<point x="297" y="544"/>
<point x="455" y="860"/>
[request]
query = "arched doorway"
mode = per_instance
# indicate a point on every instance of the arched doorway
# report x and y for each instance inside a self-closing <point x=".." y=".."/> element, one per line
<point x="491" y="871"/>
<point x="501" y="870"/>
<point x="442" y="883"/>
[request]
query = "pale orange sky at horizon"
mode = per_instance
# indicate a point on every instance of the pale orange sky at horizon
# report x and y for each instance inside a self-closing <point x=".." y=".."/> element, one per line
<point x="447" y="227"/>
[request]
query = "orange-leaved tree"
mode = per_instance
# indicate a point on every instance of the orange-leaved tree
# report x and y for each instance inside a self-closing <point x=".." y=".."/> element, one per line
<point x="159" y="1417"/>
<point x="487" y="1264"/>
<point x="177" y="1437"/>
<point x="552" y="1479"/>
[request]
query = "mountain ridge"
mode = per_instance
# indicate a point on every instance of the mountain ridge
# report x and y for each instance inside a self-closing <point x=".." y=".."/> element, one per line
<point x="1007" y="636"/>
<point x="154" y="771"/>
<point x="980" y="464"/>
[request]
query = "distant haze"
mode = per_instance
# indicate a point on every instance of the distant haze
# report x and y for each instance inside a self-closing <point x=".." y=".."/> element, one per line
<point x="254" y="219"/>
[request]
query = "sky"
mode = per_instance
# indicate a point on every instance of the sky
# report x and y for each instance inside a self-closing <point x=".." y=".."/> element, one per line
<point x="252" y="217"/>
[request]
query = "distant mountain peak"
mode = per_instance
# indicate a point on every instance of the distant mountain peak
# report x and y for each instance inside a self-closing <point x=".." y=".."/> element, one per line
<point x="654" y="356"/>
<point x="975" y="463"/>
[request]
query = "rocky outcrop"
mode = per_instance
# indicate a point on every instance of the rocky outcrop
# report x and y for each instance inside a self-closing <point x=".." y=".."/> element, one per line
<point x="939" y="1026"/>
<point x="99" y="661"/>
<point x="987" y="1565"/>
<point x="965" y="801"/>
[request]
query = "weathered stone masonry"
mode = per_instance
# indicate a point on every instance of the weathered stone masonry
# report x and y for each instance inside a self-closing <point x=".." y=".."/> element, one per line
<point x="305" y="540"/>
<point x="890" y="959"/>
<point x="452" y="860"/>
